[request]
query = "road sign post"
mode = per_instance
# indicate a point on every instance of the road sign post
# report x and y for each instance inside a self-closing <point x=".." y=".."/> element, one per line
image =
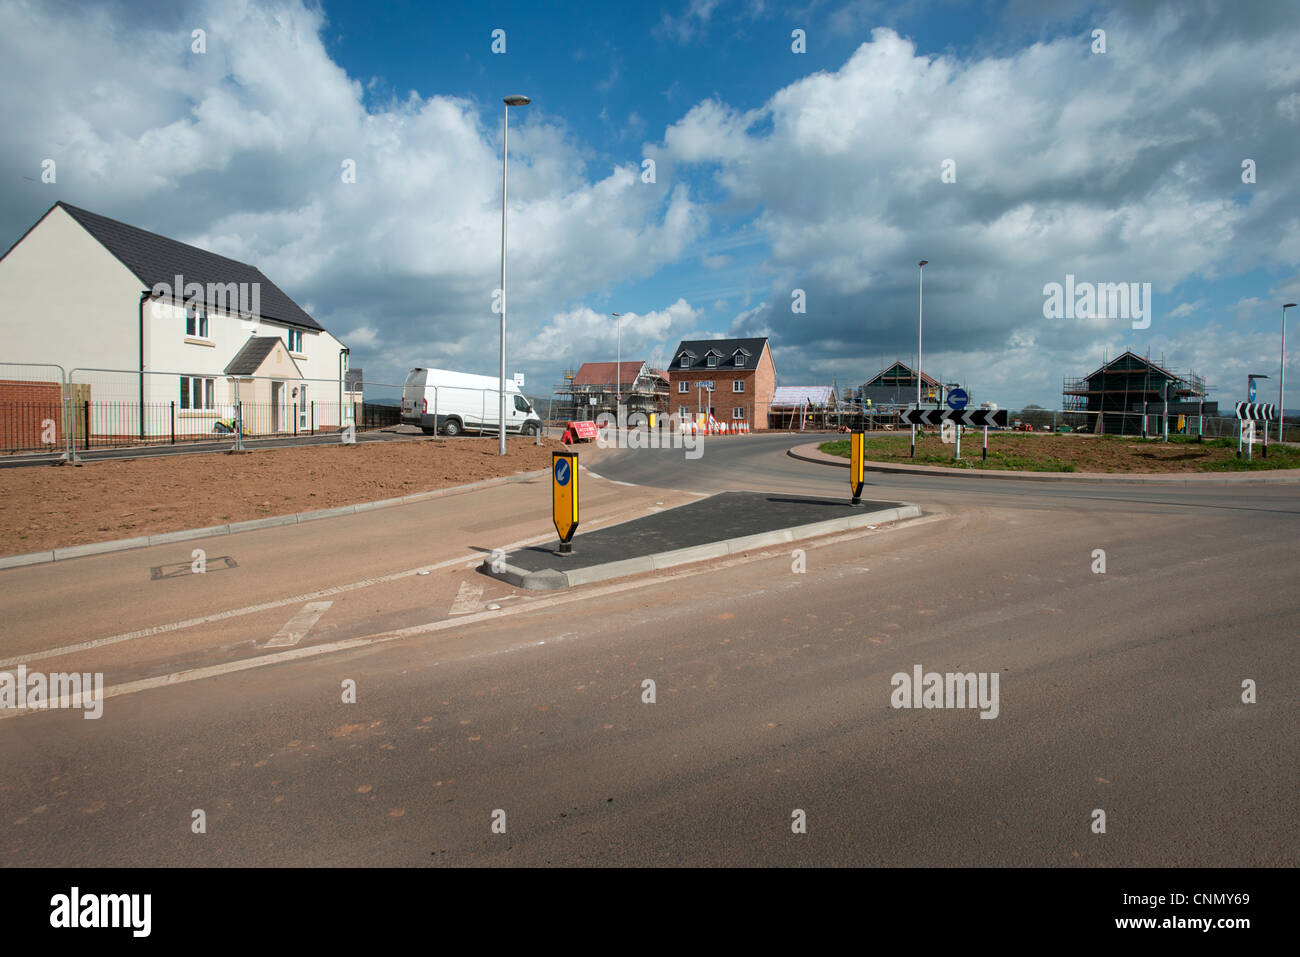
<point x="857" y="465"/>
<point x="1247" y="413"/>
<point x="564" y="497"/>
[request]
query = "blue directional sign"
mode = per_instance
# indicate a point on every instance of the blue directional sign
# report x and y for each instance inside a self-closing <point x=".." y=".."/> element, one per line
<point x="562" y="471"/>
<point x="957" y="399"/>
<point x="1252" y="390"/>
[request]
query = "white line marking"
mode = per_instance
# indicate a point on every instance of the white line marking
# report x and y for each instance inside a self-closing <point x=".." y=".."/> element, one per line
<point x="473" y="559"/>
<point x="312" y="651"/>
<point x="297" y="627"/>
<point x="468" y="599"/>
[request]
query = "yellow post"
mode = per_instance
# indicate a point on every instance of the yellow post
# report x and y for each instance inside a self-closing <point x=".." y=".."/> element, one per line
<point x="857" y="465"/>
<point x="564" y="497"/>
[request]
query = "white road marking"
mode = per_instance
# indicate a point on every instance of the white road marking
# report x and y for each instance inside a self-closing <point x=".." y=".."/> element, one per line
<point x="312" y="651"/>
<point x="468" y="599"/>
<point x="297" y="627"/>
<point x="474" y="560"/>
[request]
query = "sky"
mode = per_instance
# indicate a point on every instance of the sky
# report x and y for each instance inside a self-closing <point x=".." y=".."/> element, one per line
<point x="707" y="168"/>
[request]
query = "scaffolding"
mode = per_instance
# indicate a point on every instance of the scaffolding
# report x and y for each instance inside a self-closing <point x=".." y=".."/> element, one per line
<point x="579" y="398"/>
<point x="1124" y="395"/>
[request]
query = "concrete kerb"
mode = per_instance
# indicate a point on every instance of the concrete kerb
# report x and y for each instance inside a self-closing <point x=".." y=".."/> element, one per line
<point x="551" y="579"/>
<point x="810" y="453"/>
<point x="212" y="531"/>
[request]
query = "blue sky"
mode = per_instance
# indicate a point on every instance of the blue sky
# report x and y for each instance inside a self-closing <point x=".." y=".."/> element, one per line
<point x="775" y="171"/>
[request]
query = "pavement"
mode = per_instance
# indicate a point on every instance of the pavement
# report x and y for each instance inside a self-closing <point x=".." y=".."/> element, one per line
<point x="726" y="523"/>
<point x="679" y="717"/>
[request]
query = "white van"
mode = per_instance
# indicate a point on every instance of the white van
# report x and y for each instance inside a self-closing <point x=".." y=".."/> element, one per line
<point x="438" y="400"/>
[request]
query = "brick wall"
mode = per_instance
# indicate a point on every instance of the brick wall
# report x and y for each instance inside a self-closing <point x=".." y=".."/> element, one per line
<point x="24" y="407"/>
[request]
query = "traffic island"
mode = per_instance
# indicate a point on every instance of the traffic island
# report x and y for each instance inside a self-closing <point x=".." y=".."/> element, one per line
<point x="723" y="524"/>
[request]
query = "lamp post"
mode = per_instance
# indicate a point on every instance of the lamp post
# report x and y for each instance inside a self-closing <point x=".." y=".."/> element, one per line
<point x="505" y="155"/>
<point x="920" y="300"/>
<point x="1281" y="386"/>
<point x="618" y="364"/>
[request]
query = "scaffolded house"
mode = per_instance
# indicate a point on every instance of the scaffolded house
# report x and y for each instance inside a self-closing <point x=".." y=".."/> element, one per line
<point x="600" y="387"/>
<point x="1128" y="394"/>
<point x="802" y="407"/>
<point x="896" y="386"/>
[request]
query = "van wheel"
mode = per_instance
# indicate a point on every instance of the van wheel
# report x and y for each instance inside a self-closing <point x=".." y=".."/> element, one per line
<point x="451" y="427"/>
<point x="530" y="429"/>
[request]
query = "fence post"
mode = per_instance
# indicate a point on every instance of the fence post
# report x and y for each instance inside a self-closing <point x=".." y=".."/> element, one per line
<point x="173" y="421"/>
<point x="295" y="420"/>
<point x="85" y="422"/>
<point x="313" y="416"/>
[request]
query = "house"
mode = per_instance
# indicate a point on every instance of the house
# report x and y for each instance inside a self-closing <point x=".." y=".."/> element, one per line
<point x="1127" y="395"/>
<point x="161" y="338"/>
<point x="802" y="406"/>
<point x="632" y="382"/>
<point x="732" y="379"/>
<point x="895" y="386"/>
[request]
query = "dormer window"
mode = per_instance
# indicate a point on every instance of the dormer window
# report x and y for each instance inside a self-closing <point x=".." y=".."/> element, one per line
<point x="740" y="360"/>
<point x="686" y="360"/>
<point x="713" y="361"/>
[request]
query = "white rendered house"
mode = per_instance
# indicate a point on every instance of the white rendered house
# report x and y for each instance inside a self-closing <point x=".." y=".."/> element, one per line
<point x="182" y="330"/>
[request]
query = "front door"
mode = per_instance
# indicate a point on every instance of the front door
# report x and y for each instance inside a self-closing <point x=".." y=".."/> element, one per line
<point x="277" y="405"/>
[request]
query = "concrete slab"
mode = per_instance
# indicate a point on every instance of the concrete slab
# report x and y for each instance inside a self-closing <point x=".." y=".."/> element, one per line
<point x="723" y="524"/>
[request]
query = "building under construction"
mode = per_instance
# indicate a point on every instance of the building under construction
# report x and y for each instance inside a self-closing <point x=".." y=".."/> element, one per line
<point x="1127" y="395"/>
<point x="599" y="387"/>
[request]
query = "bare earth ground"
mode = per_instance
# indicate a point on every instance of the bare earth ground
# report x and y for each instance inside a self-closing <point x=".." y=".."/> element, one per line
<point x="1073" y="453"/>
<point x="44" y="507"/>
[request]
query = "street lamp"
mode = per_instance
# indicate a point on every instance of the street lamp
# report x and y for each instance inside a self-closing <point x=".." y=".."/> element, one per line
<point x="505" y="154"/>
<point x="920" y="299"/>
<point x="1281" y="386"/>
<point x="618" y="371"/>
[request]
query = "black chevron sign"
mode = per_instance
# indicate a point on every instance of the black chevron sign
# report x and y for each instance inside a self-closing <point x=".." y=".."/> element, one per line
<point x="1256" y="410"/>
<point x="973" y="418"/>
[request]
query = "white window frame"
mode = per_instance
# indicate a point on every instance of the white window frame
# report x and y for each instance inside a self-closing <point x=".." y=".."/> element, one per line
<point x="686" y="362"/>
<point x="740" y="360"/>
<point x="737" y="411"/>
<point x="206" y="387"/>
<point x="198" y="314"/>
<point x="683" y="387"/>
<point x="295" y="338"/>
<point x="737" y="385"/>
<point x="711" y="361"/>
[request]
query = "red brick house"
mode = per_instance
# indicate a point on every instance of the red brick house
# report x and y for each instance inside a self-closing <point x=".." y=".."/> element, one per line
<point x="740" y="371"/>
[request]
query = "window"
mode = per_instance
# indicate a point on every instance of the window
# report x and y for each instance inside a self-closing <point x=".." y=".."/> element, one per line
<point x="683" y="387"/>
<point x="713" y="362"/>
<point x="196" y="320"/>
<point x="740" y="360"/>
<point x="295" y="340"/>
<point x="521" y="404"/>
<point x="683" y="410"/>
<point x="686" y="361"/>
<point x="197" y="394"/>
<point x="737" y="385"/>
<point x="738" y="412"/>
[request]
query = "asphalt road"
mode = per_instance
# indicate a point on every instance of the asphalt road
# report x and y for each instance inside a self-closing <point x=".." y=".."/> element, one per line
<point x="1118" y="692"/>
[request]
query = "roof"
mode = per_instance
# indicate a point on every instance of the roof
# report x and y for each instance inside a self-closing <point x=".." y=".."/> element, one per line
<point x="797" y="395"/>
<point x="1129" y="354"/>
<point x="156" y="259"/>
<point x="250" y="358"/>
<point x="698" y="349"/>
<point x="604" y="373"/>
<point x="898" y="368"/>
